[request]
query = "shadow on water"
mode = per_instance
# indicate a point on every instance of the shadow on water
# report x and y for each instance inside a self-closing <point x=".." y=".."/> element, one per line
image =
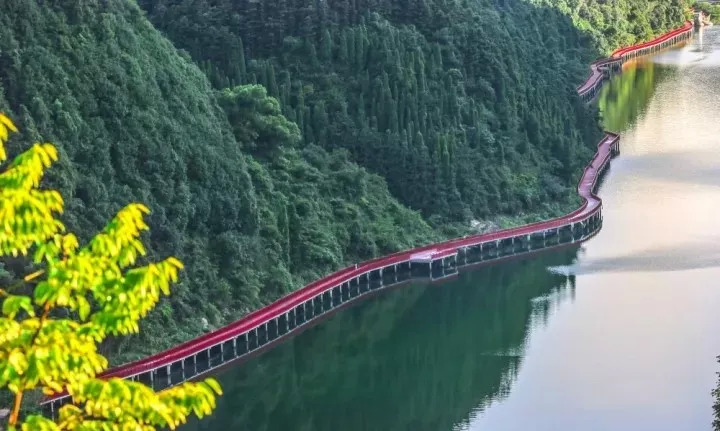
<point x="678" y="257"/>
<point x="686" y="167"/>
<point x="418" y="357"/>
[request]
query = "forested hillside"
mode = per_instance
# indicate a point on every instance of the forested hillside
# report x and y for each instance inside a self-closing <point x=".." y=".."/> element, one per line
<point x="466" y="109"/>
<point x="136" y="121"/>
<point x="296" y="136"/>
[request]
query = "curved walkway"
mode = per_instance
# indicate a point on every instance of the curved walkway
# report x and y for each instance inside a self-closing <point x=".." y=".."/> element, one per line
<point x="601" y="69"/>
<point x="435" y="261"/>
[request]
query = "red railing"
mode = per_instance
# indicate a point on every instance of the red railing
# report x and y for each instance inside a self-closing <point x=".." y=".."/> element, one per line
<point x="590" y="206"/>
<point x="688" y="26"/>
<point x="597" y="75"/>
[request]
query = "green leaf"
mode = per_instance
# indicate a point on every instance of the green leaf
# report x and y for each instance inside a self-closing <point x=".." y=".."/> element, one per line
<point x="83" y="308"/>
<point x="214" y="385"/>
<point x="39" y="423"/>
<point x="56" y="354"/>
<point x="13" y="304"/>
<point x="42" y="293"/>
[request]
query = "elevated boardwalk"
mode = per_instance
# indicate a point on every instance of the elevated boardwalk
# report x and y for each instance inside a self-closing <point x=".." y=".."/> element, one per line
<point x="601" y="69"/>
<point x="292" y="313"/>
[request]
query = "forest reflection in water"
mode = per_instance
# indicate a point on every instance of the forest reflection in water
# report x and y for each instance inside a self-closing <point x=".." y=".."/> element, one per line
<point x="419" y="357"/>
<point x="621" y="101"/>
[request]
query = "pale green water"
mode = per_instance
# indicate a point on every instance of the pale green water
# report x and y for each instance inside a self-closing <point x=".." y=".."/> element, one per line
<point x="626" y="343"/>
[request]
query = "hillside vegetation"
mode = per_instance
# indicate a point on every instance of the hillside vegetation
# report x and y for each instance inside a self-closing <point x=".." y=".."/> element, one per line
<point x="136" y="120"/>
<point x="619" y="23"/>
<point x="467" y="110"/>
<point x="293" y="137"/>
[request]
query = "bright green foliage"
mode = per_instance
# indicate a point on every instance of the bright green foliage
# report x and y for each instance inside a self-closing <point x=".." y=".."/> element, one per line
<point x="99" y="288"/>
<point x="136" y="406"/>
<point x="27" y="214"/>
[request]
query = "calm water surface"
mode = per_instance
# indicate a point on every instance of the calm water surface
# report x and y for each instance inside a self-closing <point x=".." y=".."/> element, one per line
<point x="620" y="334"/>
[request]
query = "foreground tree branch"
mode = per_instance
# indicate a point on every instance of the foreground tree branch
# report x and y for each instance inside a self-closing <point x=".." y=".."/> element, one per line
<point x="101" y="286"/>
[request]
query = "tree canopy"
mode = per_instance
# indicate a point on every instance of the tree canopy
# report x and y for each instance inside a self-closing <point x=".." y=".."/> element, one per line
<point x="77" y="296"/>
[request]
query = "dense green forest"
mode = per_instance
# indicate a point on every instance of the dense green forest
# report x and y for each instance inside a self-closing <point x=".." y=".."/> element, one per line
<point x="453" y="102"/>
<point x="277" y="141"/>
<point x="454" y="106"/>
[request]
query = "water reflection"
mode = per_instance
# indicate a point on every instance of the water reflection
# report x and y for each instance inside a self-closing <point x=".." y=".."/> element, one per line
<point x="636" y="350"/>
<point x="417" y="358"/>
<point x="704" y="51"/>
<point x="622" y="101"/>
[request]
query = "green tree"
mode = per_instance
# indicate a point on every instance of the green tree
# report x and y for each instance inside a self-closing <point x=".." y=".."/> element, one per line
<point x="54" y="318"/>
<point x="257" y="119"/>
<point x="327" y="46"/>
